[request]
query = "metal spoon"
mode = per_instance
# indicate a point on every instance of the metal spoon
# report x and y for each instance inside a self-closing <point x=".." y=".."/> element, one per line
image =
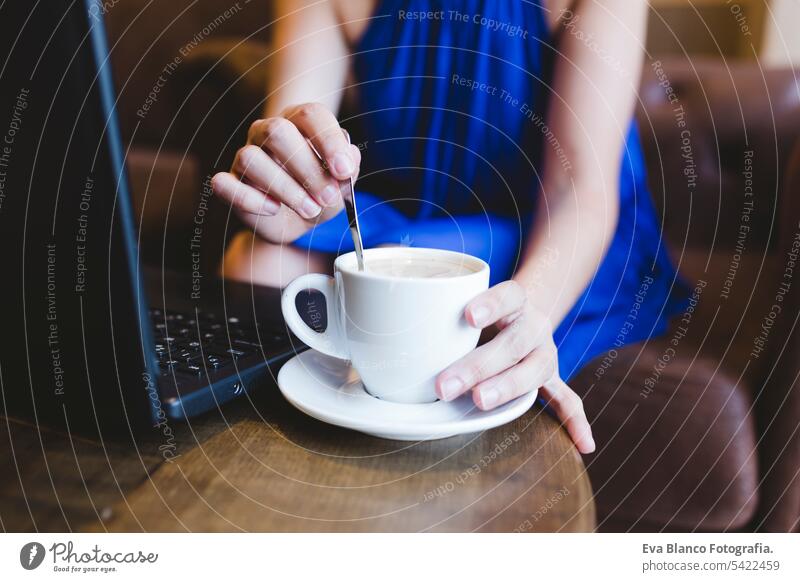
<point x="349" y="198"/>
<point x="346" y="187"/>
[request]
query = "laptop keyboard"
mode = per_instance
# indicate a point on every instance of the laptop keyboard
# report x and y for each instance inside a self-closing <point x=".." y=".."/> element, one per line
<point x="192" y="346"/>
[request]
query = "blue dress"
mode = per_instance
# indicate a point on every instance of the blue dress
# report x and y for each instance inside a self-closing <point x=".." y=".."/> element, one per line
<point x="450" y="116"/>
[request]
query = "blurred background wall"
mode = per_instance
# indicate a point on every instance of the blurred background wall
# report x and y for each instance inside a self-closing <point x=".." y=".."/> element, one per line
<point x="782" y="39"/>
<point x="727" y="28"/>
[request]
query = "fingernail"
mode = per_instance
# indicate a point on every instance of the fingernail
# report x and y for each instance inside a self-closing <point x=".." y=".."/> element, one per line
<point x="451" y="388"/>
<point x="329" y="195"/>
<point x="343" y="164"/>
<point x="480" y="315"/>
<point x="490" y="398"/>
<point x="309" y="208"/>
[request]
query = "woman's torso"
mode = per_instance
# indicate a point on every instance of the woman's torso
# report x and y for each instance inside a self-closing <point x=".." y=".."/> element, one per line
<point x="449" y="105"/>
<point x="462" y="164"/>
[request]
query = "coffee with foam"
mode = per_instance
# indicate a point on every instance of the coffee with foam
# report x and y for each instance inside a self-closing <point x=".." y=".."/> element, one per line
<point x="406" y="268"/>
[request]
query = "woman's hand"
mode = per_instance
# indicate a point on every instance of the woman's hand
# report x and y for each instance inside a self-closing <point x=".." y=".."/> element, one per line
<point x="278" y="184"/>
<point x="521" y="358"/>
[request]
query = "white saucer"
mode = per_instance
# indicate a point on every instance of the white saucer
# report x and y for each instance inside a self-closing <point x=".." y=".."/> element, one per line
<point x="330" y="390"/>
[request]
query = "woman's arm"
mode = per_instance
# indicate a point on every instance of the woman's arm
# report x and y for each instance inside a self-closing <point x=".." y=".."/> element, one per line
<point x="594" y="87"/>
<point x="595" y="81"/>
<point x="309" y="56"/>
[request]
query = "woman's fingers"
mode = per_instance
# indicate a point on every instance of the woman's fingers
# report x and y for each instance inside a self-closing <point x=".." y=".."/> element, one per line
<point x="568" y="406"/>
<point x="533" y="371"/>
<point x="254" y="165"/>
<point x="242" y="196"/>
<point x="509" y="347"/>
<point x="320" y="126"/>
<point x="501" y="301"/>
<point x="290" y="149"/>
<point x="283" y="162"/>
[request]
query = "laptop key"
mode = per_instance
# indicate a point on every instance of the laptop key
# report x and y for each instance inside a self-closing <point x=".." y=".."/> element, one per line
<point x="189" y="369"/>
<point x="186" y="355"/>
<point x="246" y="344"/>
<point x="218" y="361"/>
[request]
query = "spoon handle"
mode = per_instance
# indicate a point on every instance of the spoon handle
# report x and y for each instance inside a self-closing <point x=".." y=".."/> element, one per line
<point x="346" y="187"/>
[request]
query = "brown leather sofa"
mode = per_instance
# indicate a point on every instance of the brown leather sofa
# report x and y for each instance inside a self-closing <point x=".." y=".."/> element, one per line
<point x="713" y="443"/>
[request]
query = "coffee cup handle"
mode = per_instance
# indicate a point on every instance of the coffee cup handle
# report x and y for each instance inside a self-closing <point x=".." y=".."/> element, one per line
<point x="330" y="342"/>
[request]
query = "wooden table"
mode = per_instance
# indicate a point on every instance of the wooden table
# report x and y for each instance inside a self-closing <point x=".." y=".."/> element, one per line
<point x="260" y="465"/>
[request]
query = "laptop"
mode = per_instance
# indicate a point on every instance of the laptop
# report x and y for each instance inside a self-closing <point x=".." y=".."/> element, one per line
<point x="90" y="337"/>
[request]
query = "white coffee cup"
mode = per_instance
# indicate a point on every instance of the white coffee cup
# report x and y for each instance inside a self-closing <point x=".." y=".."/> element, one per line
<point x="399" y="332"/>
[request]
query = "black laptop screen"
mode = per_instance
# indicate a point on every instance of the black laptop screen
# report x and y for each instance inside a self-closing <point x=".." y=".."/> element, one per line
<point x="73" y="344"/>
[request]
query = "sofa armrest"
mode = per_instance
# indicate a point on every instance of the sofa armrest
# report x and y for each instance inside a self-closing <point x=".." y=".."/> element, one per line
<point x="779" y="400"/>
<point x="220" y="89"/>
<point x="704" y="124"/>
<point x="225" y="86"/>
